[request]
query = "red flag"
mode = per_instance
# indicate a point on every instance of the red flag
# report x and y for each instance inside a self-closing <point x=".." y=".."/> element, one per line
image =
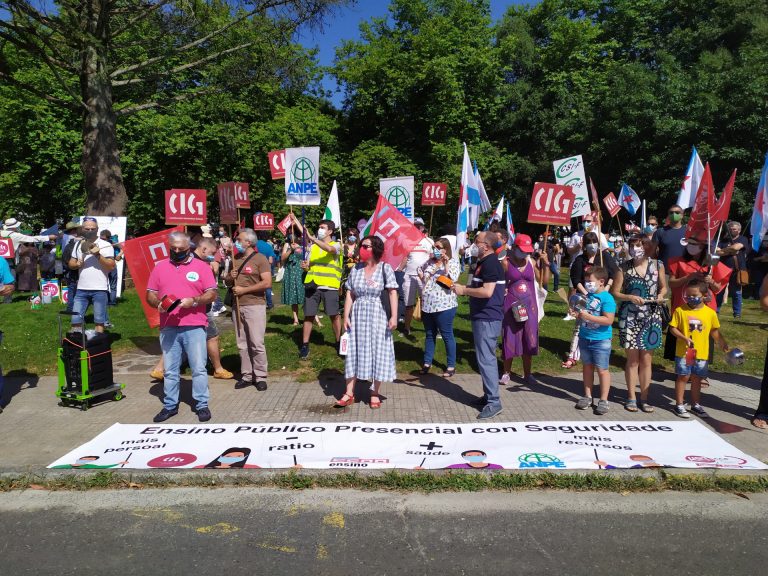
<point x="723" y="204"/>
<point x="400" y="236"/>
<point x="702" y="209"/>
<point x="595" y="202"/>
<point x="141" y="255"/>
<point x="709" y="213"/>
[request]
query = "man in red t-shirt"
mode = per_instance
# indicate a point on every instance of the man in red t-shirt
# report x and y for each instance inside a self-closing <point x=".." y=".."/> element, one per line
<point x="182" y="327"/>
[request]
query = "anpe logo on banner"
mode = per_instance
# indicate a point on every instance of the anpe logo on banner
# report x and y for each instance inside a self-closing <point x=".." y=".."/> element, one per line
<point x="537" y="460"/>
<point x="277" y="164"/>
<point x="242" y="195"/>
<point x="184" y="206"/>
<point x="434" y="194"/>
<point x="612" y="204"/>
<point x="263" y="221"/>
<point x="302" y="176"/>
<point x="6" y="248"/>
<point x="551" y="204"/>
<point x="399" y="198"/>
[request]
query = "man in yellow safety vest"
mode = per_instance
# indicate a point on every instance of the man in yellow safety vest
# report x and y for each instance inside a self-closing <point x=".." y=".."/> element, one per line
<point x="321" y="284"/>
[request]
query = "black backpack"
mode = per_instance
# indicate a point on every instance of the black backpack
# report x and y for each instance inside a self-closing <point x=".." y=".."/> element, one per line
<point x="66" y="255"/>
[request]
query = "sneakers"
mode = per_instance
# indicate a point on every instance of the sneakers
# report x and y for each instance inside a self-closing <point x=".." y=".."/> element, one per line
<point x="681" y="411"/>
<point x="584" y="402"/>
<point x="218" y="312"/>
<point x="203" y="414"/>
<point x="602" y="407"/>
<point x="164" y="414"/>
<point x="568" y="317"/>
<point x="223" y="374"/>
<point x="261" y="385"/>
<point x="505" y="379"/>
<point x="489" y="412"/>
<point x="698" y="409"/>
<point x="108" y="325"/>
<point x="304" y="352"/>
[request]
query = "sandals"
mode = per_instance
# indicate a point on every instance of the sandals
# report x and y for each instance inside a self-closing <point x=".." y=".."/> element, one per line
<point x="425" y="368"/>
<point x="630" y="406"/>
<point x="375" y="402"/>
<point x="645" y="407"/>
<point x="449" y="372"/>
<point x="568" y="364"/>
<point x="344" y="403"/>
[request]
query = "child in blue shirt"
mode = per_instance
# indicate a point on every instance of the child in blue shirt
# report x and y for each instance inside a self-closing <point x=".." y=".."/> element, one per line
<point x="595" y="338"/>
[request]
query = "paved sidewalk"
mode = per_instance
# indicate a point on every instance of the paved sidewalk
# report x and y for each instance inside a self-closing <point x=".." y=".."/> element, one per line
<point x="36" y="431"/>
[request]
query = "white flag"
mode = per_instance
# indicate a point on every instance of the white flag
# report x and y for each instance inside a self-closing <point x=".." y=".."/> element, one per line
<point x="686" y="198"/>
<point x="332" y="211"/>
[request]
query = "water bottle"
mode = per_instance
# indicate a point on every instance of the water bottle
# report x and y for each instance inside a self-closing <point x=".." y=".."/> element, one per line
<point x="690" y="355"/>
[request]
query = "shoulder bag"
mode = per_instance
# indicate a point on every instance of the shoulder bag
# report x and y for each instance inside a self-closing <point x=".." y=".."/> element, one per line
<point x="229" y="296"/>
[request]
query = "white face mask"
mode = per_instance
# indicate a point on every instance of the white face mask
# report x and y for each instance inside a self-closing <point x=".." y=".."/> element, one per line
<point x="321" y="233"/>
<point x="591" y="287"/>
<point x="637" y="252"/>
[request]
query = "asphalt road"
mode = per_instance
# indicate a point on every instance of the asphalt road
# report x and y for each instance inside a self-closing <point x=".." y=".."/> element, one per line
<point x="253" y="531"/>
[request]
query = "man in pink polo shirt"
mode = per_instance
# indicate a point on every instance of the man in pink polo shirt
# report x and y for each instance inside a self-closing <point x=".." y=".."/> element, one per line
<point x="182" y="329"/>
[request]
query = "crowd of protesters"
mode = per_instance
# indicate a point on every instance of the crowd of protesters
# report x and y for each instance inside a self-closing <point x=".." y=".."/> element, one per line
<point x="628" y="279"/>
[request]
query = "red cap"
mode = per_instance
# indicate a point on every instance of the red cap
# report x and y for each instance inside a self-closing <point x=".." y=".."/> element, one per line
<point x="523" y="241"/>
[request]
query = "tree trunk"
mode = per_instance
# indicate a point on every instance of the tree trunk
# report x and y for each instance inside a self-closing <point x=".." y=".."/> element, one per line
<point x="103" y="176"/>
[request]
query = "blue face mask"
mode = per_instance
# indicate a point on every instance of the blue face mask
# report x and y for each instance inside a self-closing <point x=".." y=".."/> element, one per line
<point x="210" y="258"/>
<point x="437" y="254"/>
<point x="693" y="300"/>
<point x="474" y="458"/>
<point x="239" y="248"/>
<point x="352" y="239"/>
<point x="231" y="459"/>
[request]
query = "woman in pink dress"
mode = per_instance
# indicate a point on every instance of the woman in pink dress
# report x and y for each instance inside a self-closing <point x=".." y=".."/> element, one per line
<point x="520" y="327"/>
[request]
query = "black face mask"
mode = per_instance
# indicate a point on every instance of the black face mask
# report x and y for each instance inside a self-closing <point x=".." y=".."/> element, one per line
<point x="179" y="256"/>
<point x="90" y="234"/>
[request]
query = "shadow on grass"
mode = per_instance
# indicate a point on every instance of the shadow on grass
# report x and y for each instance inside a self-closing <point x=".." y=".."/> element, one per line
<point x="15" y="382"/>
<point x="147" y="344"/>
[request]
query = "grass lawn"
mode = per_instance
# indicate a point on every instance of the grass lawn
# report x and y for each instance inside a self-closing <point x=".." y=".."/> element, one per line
<point x="31" y="340"/>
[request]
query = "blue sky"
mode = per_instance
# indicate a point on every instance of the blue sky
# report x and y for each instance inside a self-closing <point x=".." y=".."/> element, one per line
<point x="344" y="25"/>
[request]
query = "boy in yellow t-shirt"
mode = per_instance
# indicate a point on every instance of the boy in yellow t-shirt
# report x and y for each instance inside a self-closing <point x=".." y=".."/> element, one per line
<point x="692" y="324"/>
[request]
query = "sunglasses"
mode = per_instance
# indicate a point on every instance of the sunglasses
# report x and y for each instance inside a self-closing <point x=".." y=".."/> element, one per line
<point x="366" y="246"/>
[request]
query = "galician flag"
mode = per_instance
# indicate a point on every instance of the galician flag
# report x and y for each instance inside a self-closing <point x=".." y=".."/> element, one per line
<point x="686" y="198"/>
<point x="332" y="211"/>
<point x="629" y="199"/>
<point x="472" y="200"/>
<point x="498" y="214"/>
<point x="510" y="226"/>
<point x="759" y="224"/>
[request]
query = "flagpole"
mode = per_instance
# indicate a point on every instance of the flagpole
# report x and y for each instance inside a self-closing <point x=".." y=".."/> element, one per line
<point x="431" y="215"/>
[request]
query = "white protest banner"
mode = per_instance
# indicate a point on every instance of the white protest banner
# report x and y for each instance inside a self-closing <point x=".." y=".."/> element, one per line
<point x="302" y="176"/>
<point x="117" y="226"/>
<point x="399" y="192"/>
<point x="570" y="172"/>
<point x="324" y="445"/>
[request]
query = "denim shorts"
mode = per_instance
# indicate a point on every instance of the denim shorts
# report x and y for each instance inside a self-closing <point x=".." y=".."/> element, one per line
<point x="596" y="352"/>
<point x="699" y="368"/>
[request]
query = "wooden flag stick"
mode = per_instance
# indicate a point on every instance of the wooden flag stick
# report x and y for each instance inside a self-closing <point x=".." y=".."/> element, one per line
<point x="431" y="215"/>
